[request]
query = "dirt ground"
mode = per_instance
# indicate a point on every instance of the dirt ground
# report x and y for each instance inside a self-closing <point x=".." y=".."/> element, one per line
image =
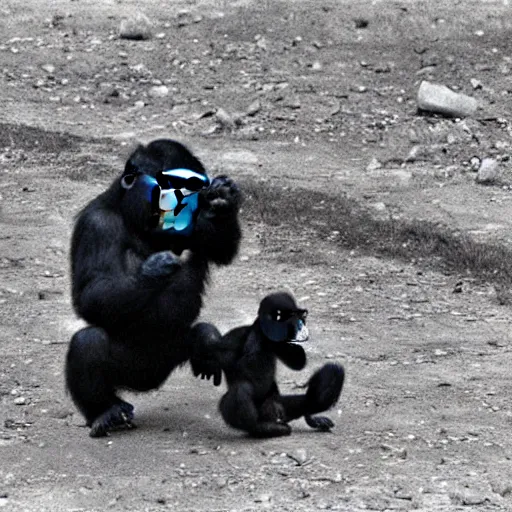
<point x="298" y="95"/>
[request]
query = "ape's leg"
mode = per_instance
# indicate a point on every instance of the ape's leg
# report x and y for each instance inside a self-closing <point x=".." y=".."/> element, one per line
<point x="89" y="381"/>
<point x="238" y="410"/>
<point x="323" y="392"/>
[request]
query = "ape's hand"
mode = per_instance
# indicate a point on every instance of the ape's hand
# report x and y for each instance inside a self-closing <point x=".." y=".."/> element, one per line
<point x="222" y="196"/>
<point x="206" y="343"/>
<point x="160" y="264"/>
<point x="207" y="368"/>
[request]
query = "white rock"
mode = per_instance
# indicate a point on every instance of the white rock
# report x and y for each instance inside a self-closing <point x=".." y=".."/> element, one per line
<point x="137" y="26"/>
<point x="49" y="68"/>
<point x="254" y="108"/>
<point x="159" y="91"/>
<point x="300" y="456"/>
<point x="373" y="165"/>
<point x="440" y="99"/>
<point x="224" y="119"/>
<point x="476" y="84"/>
<point x="488" y="171"/>
<point x="474" y="163"/>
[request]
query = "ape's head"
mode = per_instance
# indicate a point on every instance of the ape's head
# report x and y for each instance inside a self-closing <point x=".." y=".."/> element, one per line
<point x="280" y="318"/>
<point x="160" y="188"/>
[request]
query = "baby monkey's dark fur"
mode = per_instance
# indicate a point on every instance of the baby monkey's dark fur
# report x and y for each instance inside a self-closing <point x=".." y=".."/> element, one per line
<point x="248" y="357"/>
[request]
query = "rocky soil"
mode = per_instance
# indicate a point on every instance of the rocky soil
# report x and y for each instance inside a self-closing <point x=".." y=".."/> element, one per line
<point x="297" y="96"/>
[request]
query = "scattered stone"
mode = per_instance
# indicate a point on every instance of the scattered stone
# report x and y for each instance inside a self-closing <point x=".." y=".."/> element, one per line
<point x="504" y="489"/>
<point x="379" y="206"/>
<point x="474" y="163"/>
<point x="383" y="68"/>
<point x="184" y="18"/>
<point x="439" y="99"/>
<point x="253" y="108"/>
<point x="261" y="43"/>
<point x="49" y="68"/>
<point x="158" y="91"/>
<point x="413" y="154"/>
<point x="292" y="102"/>
<point x="361" y="22"/>
<point x="451" y="139"/>
<point x="221" y="482"/>
<point x="317" y="66"/>
<point x="373" y="165"/>
<point x="224" y="119"/>
<point x="264" y="498"/>
<point x="488" y="171"/>
<point x="476" y="84"/>
<point x="21" y="400"/>
<point x="300" y="456"/>
<point x="137" y="27"/>
<point x="458" y="287"/>
<point x="468" y="497"/>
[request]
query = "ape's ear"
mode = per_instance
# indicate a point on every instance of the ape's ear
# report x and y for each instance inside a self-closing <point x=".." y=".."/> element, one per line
<point x="291" y="355"/>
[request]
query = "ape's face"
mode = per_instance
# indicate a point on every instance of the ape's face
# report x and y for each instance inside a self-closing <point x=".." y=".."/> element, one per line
<point x="161" y="185"/>
<point x="170" y="198"/>
<point x="281" y="319"/>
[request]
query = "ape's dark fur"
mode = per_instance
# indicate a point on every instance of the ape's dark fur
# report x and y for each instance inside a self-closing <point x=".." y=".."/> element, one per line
<point x="248" y="356"/>
<point x="138" y="297"/>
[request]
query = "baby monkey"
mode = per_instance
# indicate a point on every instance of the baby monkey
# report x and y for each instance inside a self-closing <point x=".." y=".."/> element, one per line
<point x="248" y="355"/>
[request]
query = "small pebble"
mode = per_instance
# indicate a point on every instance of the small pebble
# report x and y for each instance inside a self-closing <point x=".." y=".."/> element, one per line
<point x="159" y="91"/>
<point x="49" y="68"/>
<point x="476" y="84"/>
<point x="299" y="455"/>
<point x="254" y="108"/>
<point x="224" y="119"/>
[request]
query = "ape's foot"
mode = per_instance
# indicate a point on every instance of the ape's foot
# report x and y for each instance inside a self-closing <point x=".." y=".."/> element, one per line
<point x="119" y="416"/>
<point x="270" y="429"/>
<point x="322" y="423"/>
<point x="272" y="411"/>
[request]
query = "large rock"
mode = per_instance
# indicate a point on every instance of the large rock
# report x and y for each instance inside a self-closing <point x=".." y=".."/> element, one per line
<point x="439" y="99"/>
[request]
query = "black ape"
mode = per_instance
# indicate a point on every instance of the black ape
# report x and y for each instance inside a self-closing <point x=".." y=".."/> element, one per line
<point x="139" y="298"/>
<point x="248" y="356"/>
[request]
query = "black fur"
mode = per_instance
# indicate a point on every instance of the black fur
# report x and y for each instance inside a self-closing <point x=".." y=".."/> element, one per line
<point x="139" y="298"/>
<point x="248" y="358"/>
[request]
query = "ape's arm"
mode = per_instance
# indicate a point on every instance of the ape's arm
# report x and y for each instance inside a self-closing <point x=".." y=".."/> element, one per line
<point x="217" y="233"/>
<point x="290" y="354"/>
<point x="111" y="291"/>
<point x="212" y="352"/>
